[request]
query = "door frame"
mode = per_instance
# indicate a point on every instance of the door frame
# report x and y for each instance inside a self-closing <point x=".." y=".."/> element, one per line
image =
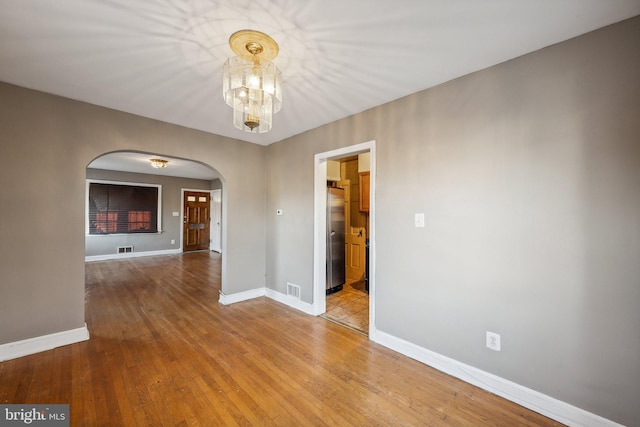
<point x="182" y="191"/>
<point x="211" y="226"/>
<point x="320" y="227"/>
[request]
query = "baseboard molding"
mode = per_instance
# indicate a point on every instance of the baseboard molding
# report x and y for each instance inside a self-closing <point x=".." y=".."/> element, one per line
<point x="269" y="293"/>
<point x="290" y="301"/>
<point x="241" y="296"/>
<point x="131" y="255"/>
<point x="531" y="399"/>
<point x="29" y="346"/>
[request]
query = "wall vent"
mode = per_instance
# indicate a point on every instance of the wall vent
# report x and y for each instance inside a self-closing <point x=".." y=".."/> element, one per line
<point x="124" y="249"/>
<point x="293" y="290"/>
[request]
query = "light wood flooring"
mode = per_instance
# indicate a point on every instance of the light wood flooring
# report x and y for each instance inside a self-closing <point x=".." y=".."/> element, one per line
<point x="164" y="352"/>
<point x="350" y="307"/>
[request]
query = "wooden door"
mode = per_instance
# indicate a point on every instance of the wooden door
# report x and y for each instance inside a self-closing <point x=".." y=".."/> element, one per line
<point x="354" y="237"/>
<point x="197" y="220"/>
<point x="365" y="188"/>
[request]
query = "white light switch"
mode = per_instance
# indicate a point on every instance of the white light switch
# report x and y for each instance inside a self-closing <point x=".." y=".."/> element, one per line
<point x="176" y="214"/>
<point x="419" y="219"/>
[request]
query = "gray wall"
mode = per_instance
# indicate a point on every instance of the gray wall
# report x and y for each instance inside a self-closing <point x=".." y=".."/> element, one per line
<point x="46" y="143"/>
<point x="171" y="202"/>
<point x="529" y="177"/>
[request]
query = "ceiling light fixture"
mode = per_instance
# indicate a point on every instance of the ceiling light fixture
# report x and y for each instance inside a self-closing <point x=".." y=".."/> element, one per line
<point x="159" y="163"/>
<point x="252" y="85"/>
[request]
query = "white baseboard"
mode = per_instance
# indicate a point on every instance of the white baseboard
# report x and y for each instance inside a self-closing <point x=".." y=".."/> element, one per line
<point x="290" y="301"/>
<point x="131" y="255"/>
<point x="29" y="346"/>
<point x="536" y="401"/>
<point x="241" y="296"/>
<point x="269" y="293"/>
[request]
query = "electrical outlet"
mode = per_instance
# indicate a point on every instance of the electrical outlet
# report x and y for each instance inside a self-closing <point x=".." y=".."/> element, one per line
<point x="493" y="341"/>
<point x="173" y="241"/>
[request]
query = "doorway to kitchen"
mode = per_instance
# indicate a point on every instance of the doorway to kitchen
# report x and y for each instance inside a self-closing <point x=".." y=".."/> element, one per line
<point x="347" y="288"/>
<point x="351" y="169"/>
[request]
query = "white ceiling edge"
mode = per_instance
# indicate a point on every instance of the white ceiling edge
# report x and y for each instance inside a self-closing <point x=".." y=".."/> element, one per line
<point x="127" y="161"/>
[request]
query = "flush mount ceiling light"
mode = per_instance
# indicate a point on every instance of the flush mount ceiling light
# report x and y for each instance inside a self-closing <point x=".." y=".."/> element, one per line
<point x="252" y="85"/>
<point x="159" y="163"/>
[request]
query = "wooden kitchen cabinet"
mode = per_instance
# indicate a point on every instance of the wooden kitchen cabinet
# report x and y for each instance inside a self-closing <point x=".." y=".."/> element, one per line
<point x="364" y="192"/>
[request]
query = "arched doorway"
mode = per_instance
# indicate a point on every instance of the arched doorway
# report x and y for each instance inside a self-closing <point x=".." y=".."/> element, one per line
<point x="144" y="231"/>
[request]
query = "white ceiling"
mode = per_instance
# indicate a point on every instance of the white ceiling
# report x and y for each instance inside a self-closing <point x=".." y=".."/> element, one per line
<point x="163" y="59"/>
<point x="125" y="161"/>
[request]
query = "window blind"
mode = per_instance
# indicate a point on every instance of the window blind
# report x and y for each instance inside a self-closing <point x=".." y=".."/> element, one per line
<point x="122" y="209"/>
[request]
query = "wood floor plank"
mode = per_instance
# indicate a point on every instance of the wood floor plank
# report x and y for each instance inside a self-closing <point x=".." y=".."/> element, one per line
<point x="164" y="352"/>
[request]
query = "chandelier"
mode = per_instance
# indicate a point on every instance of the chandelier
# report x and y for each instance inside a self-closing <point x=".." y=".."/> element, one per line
<point x="252" y="85"/>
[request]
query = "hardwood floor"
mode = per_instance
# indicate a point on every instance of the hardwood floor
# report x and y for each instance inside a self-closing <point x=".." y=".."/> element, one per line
<point x="164" y="352"/>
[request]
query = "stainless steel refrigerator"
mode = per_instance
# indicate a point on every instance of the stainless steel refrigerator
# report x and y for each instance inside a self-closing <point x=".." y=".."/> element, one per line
<point x="335" y="240"/>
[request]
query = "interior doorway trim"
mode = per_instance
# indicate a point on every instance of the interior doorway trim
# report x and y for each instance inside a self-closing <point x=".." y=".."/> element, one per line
<point x="320" y="227"/>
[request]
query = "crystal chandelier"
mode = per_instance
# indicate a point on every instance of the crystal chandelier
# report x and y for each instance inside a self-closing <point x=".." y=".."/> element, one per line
<point x="252" y="85"/>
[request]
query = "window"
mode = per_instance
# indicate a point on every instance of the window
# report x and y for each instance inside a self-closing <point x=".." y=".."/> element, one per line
<point x="122" y="208"/>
